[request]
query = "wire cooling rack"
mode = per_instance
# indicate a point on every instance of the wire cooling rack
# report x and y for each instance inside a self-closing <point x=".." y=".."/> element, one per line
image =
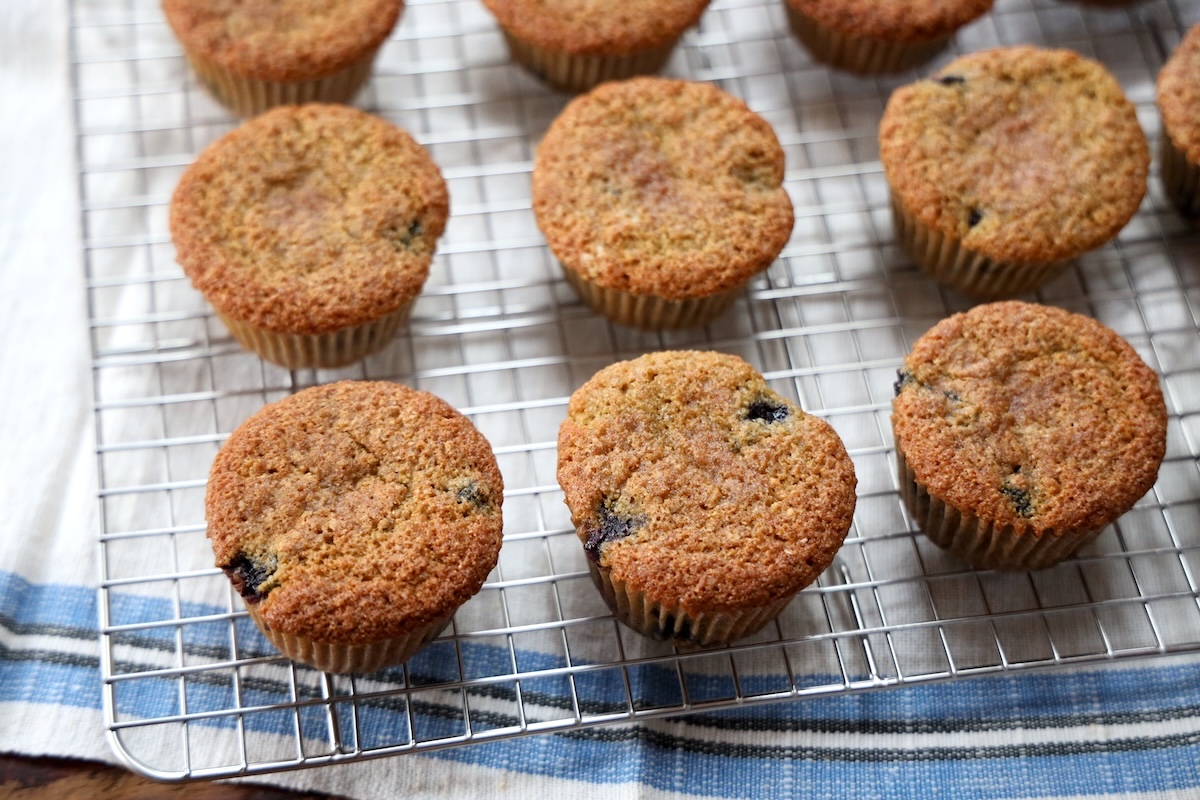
<point x="191" y="688"/>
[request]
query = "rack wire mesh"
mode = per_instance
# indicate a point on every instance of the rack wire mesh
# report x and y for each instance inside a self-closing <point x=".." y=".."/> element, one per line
<point x="191" y="688"/>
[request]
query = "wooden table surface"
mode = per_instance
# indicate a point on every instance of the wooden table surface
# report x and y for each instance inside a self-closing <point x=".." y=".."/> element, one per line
<point x="26" y="778"/>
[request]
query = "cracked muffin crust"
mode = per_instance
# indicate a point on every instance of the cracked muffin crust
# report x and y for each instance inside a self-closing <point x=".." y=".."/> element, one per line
<point x="254" y="54"/>
<point x="703" y="499"/>
<point x="661" y="199"/>
<point x="1022" y="431"/>
<point x="1008" y="163"/>
<point x="575" y="45"/>
<point x="874" y="36"/>
<point x="354" y="518"/>
<point x="310" y="229"/>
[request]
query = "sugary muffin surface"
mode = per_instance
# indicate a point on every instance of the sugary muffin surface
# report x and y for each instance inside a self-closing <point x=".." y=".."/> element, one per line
<point x="1023" y="154"/>
<point x="355" y="512"/>
<point x="894" y="20"/>
<point x="282" y="40"/>
<point x="309" y="219"/>
<point x="1030" y="416"/>
<point x="598" y="27"/>
<point x="662" y="187"/>
<point x="695" y="483"/>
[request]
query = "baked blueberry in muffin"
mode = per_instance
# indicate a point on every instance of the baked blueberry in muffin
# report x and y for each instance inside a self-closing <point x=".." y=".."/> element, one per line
<point x="1009" y="163"/>
<point x="354" y="519"/>
<point x="703" y="499"/>
<point x="1023" y="430"/>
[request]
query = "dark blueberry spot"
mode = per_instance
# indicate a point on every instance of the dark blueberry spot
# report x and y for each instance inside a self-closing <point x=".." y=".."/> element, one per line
<point x="610" y="527"/>
<point x="755" y="171"/>
<point x="951" y="395"/>
<point x="473" y="495"/>
<point x="767" y="410"/>
<point x="974" y="217"/>
<point x="951" y="80"/>
<point x="1020" y="500"/>
<point x="903" y="379"/>
<point x="248" y="575"/>
<point x="407" y="237"/>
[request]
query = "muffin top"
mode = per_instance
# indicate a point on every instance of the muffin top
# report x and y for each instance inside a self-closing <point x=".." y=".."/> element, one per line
<point x="282" y="40"/>
<point x="894" y="20"/>
<point x="355" y="511"/>
<point x="597" y="27"/>
<point x="663" y="187"/>
<point x="693" y="482"/>
<point x="1030" y="416"/>
<point x="309" y="219"/>
<point x="1179" y="95"/>
<point x="1022" y="154"/>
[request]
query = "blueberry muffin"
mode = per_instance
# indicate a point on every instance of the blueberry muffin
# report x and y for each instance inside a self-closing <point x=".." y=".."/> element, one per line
<point x="354" y="519"/>
<point x="661" y="199"/>
<point x="310" y="229"/>
<point x="704" y="501"/>
<point x="575" y="45"/>
<point x="1178" y="89"/>
<point x="1023" y="430"/>
<point x="1009" y="163"/>
<point x="255" y="54"/>
<point x="879" y="36"/>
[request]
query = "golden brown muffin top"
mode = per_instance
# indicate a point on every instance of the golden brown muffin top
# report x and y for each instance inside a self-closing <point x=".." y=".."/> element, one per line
<point x="309" y="219"/>
<point x="597" y="27"/>
<point x="894" y="20"/>
<point x="662" y="187"/>
<point x="282" y="40"/>
<point x="1179" y="95"/>
<point x="1030" y="416"/>
<point x="356" y="511"/>
<point x="696" y="484"/>
<point x="1022" y="154"/>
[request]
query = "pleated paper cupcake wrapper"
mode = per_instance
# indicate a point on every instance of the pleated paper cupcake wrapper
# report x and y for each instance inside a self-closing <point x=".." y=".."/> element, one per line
<point x="857" y="53"/>
<point x="318" y="351"/>
<point x="345" y="658"/>
<point x="647" y="311"/>
<point x="981" y="544"/>
<point x="1180" y="178"/>
<point x="676" y="626"/>
<point x="578" y="73"/>
<point x="247" y="97"/>
<point x="946" y="261"/>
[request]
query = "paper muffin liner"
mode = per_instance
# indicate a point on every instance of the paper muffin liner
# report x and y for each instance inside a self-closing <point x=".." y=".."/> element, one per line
<point x="344" y="658"/>
<point x="578" y="73"/>
<point x="649" y="312"/>
<point x="945" y="260"/>
<point x="675" y="625"/>
<point x="981" y="544"/>
<point x="1180" y="177"/>
<point x="866" y="55"/>
<point x="248" y="96"/>
<point x="318" y="351"/>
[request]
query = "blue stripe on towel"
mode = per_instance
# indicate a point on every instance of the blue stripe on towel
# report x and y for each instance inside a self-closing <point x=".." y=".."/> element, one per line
<point x="660" y="756"/>
<point x="732" y="754"/>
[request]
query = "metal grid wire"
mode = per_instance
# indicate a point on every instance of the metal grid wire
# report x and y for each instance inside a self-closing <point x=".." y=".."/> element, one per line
<point x="192" y="690"/>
